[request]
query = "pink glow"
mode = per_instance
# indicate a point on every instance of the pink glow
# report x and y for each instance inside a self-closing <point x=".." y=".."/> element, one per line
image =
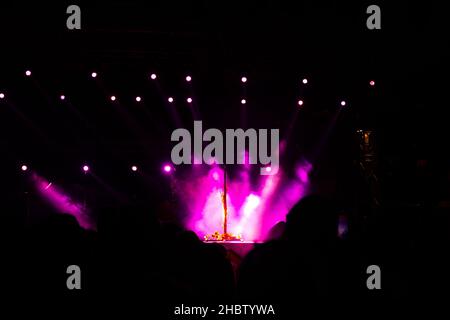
<point x="244" y="79"/>
<point x="113" y="98"/>
<point x="303" y="172"/>
<point x="153" y="76"/>
<point x="305" y="81"/>
<point x="188" y="78"/>
<point x="24" y="168"/>
<point x="2" y="95"/>
<point x="243" y="101"/>
<point x="62" y="97"/>
<point x="372" y="83"/>
<point x="254" y="208"/>
<point x="246" y="159"/>
<point x="170" y="99"/>
<point x="189" y="100"/>
<point x="167" y="168"/>
<point x="94" y="74"/>
<point x="85" y="168"/>
<point x="62" y="202"/>
<point x="28" y="73"/>
<point x="134" y="168"/>
<point x="138" y="99"/>
<point x="247" y="224"/>
<point x="300" y="102"/>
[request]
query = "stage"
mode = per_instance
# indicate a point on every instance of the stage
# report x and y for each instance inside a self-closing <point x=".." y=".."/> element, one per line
<point x="240" y="248"/>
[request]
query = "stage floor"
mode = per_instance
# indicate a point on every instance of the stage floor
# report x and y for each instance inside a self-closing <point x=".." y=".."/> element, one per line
<point x="239" y="248"/>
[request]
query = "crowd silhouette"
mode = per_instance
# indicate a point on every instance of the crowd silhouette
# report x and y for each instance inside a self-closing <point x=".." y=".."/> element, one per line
<point x="135" y="260"/>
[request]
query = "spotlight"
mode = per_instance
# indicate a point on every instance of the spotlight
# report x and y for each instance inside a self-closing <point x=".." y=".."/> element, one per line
<point x="305" y="81"/>
<point x="153" y="76"/>
<point x="24" y="168"/>
<point x="215" y="176"/>
<point x="300" y="102"/>
<point x="2" y="95"/>
<point x="85" y="168"/>
<point x="244" y="79"/>
<point x="113" y="98"/>
<point x="62" y="97"/>
<point x="167" y="168"/>
<point x="189" y="100"/>
<point x="268" y="169"/>
<point x="134" y="168"/>
<point x="94" y="74"/>
<point x="343" y="103"/>
<point x="28" y="73"/>
<point x="188" y="78"/>
<point x="138" y="99"/>
<point x="243" y="101"/>
<point x="170" y="99"/>
<point x="372" y="83"/>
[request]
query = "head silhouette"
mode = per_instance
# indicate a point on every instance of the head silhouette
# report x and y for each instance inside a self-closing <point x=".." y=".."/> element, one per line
<point x="312" y="220"/>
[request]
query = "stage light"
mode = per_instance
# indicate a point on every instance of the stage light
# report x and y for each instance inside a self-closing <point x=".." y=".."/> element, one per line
<point x="243" y="101"/>
<point x="85" y="168"/>
<point x="215" y="176"/>
<point x="244" y="79"/>
<point x="343" y="103"/>
<point x="153" y="76"/>
<point x="24" y="168"/>
<point x="2" y="95"/>
<point x="134" y="168"/>
<point x="62" y="97"/>
<point x="167" y="168"/>
<point x="170" y="99"/>
<point x="94" y="74"/>
<point x="372" y="83"/>
<point x="113" y="98"/>
<point x="189" y="100"/>
<point x="268" y="169"/>
<point x="28" y="73"/>
<point x="188" y="78"/>
<point x="305" y="81"/>
<point x="300" y="102"/>
<point x="138" y="99"/>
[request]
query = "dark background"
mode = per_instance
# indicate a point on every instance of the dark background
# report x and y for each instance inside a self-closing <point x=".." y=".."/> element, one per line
<point x="274" y="43"/>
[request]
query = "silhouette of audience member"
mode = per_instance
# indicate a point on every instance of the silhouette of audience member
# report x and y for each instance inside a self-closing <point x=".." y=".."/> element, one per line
<point x="301" y="263"/>
<point x="133" y="260"/>
<point x="277" y="231"/>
